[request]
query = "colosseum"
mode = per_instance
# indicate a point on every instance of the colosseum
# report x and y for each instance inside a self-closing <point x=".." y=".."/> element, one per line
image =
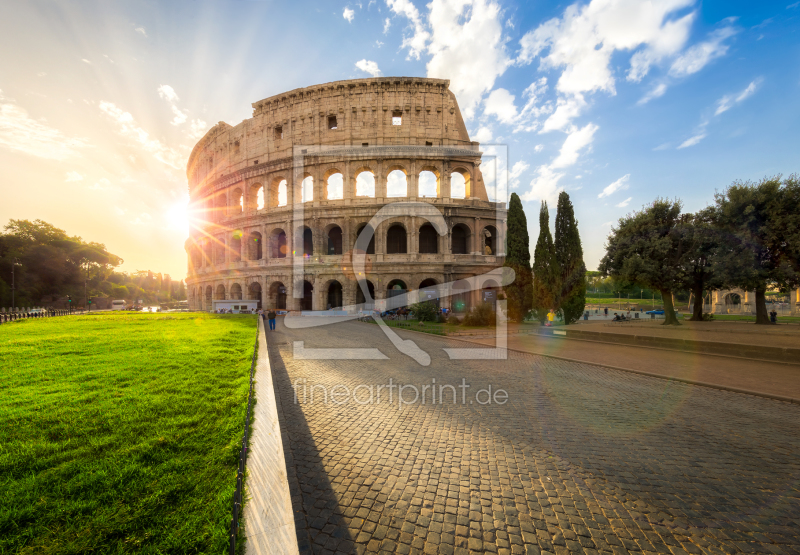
<point x="281" y="201"/>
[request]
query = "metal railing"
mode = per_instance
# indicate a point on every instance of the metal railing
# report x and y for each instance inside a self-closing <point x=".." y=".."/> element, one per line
<point x="24" y="314"/>
<point x="236" y="510"/>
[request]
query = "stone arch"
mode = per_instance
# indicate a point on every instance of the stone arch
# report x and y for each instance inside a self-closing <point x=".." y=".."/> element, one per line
<point x="489" y="240"/>
<point x="428" y="182"/>
<point x="254" y="293"/>
<point x="361" y="244"/>
<point x="256" y="197"/>
<point x="307" y="188"/>
<point x="365" y="182"/>
<point x="219" y="294"/>
<point x="459" y="239"/>
<point x="427" y="291"/>
<point x="255" y="246"/>
<point x="334" y="238"/>
<point x="278" y="245"/>
<point x="460" y="298"/>
<point x="306" y="301"/>
<point x="334" y="184"/>
<point x="396" y="288"/>
<point x="221" y="207"/>
<point x="335" y="295"/>
<point x="361" y="299"/>
<point x="428" y="239"/>
<point x="490" y="291"/>
<point x="277" y="295"/>
<point x="236" y="292"/>
<point x="305" y="241"/>
<point x="209" y="296"/>
<point x="396" y="182"/>
<point x="235" y="246"/>
<point x="278" y="192"/>
<point x="456" y="186"/>
<point x="396" y="239"/>
<point x="219" y="251"/>
<point x="237" y="201"/>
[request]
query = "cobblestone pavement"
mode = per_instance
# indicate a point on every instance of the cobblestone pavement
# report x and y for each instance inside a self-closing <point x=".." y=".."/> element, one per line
<point x="580" y="459"/>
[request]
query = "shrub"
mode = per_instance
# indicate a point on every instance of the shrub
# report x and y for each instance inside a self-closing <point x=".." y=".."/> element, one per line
<point x="481" y="315"/>
<point x="425" y="312"/>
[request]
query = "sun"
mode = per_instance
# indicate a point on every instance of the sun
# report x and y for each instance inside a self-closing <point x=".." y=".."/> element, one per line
<point x="177" y="216"/>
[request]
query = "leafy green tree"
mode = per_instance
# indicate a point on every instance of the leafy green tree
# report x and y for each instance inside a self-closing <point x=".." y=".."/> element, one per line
<point x="702" y="240"/>
<point x="571" y="291"/>
<point x="648" y="247"/>
<point x="519" y="294"/>
<point x="545" y="273"/>
<point x="425" y="311"/>
<point x="760" y="225"/>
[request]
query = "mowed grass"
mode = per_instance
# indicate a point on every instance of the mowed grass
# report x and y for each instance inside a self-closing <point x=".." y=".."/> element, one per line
<point x="120" y="433"/>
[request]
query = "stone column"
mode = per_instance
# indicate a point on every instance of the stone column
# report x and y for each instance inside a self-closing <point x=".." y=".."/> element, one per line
<point x="380" y="181"/>
<point x="476" y="241"/>
<point x="444" y="182"/>
<point x="413" y="187"/>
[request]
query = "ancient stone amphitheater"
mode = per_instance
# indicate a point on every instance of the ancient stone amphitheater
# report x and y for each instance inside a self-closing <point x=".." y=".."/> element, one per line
<point x="281" y="201"/>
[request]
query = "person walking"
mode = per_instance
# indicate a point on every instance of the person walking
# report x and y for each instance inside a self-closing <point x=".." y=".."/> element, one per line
<point x="271" y="317"/>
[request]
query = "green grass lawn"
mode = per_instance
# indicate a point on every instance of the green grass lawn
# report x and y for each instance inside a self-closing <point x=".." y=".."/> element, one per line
<point x="120" y="433"/>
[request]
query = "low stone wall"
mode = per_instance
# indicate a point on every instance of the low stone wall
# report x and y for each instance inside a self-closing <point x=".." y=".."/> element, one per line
<point x="268" y="518"/>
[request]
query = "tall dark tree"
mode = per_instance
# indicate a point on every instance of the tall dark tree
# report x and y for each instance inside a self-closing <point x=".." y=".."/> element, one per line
<point x="571" y="291"/>
<point x="545" y="273"/>
<point x="702" y="240"/>
<point x="760" y="226"/>
<point x="519" y="294"/>
<point x="648" y="247"/>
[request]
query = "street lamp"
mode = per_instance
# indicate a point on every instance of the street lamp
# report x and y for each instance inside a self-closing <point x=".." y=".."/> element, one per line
<point x="13" y="283"/>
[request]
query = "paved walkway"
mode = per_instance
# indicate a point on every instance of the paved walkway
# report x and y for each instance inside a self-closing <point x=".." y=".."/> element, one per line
<point x="580" y="459"/>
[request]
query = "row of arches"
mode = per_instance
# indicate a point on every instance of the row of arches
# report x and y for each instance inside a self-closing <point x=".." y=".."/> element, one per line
<point x="276" y="194"/>
<point x="333" y="294"/>
<point x="397" y="242"/>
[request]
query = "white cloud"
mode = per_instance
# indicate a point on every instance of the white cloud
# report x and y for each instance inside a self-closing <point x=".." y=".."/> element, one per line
<point x="418" y="40"/>
<point x="386" y="24"/>
<point x="792" y="6"/>
<point x="368" y="66"/>
<point x="168" y="93"/>
<point x="663" y="146"/>
<point x="73" y="176"/>
<point x="482" y="135"/>
<point x="691" y="141"/>
<point x="538" y="148"/>
<point x="127" y="127"/>
<point x="348" y="14"/>
<point x="544" y="186"/>
<point x="378" y="43"/>
<point x="576" y="141"/>
<point x="84" y="60"/>
<point x="701" y="54"/>
<point x="141" y="31"/>
<point x="624" y="203"/>
<point x="528" y="120"/>
<point x="102" y="184"/>
<point x="20" y="132"/>
<point x="198" y="128"/>
<point x="500" y="103"/>
<point x="655" y="92"/>
<point x="729" y="101"/>
<point x="567" y="109"/>
<point x="619" y="185"/>
<point x="516" y="172"/>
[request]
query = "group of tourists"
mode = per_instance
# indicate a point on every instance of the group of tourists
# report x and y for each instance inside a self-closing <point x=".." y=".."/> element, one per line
<point x="269" y="315"/>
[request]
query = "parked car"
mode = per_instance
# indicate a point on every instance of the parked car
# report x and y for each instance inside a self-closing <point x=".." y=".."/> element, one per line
<point x="660" y="312"/>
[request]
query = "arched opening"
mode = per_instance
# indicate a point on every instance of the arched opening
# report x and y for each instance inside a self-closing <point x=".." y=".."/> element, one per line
<point x="396" y="240"/>
<point x="236" y="246"/>
<point x="236" y="292"/>
<point x="278" y="193"/>
<point x="459" y="239"/>
<point x="219" y="252"/>
<point x="362" y="243"/>
<point x="334" y="295"/>
<point x="361" y="299"/>
<point x="489" y="246"/>
<point x="308" y="242"/>
<point x="335" y="240"/>
<point x="460" y="184"/>
<point x="283" y="193"/>
<point x="397" y="184"/>
<point x="255" y="246"/>
<point x="395" y="288"/>
<point x="490" y="292"/>
<point x="428" y="184"/>
<point x="277" y="295"/>
<point x="256" y="197"/>
<point x="254" y="293"/>
<point x="237" y="201"/>
<point x="307" y="189"/>
<point x="209" y="296"/>
<point x="428" y="240"/>
<point x="460" y="297"/>
<point x="365" y="184"/>
<point x="220" y="296"/>
<point x="334" y="187"/>
<point x="308" y="293"/>
<point x="427" y="292"/>
<point x="277" y="244"/>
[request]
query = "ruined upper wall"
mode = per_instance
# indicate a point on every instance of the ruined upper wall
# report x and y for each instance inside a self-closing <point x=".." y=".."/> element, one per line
<point x="361" y="110"/>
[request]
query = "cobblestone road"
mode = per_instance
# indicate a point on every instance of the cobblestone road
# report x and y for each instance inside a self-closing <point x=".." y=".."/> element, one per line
<point x="580" y="459"/>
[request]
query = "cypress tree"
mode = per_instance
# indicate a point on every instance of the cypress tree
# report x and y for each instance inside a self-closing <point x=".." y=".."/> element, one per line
<point x="518" y="257"/>
<point x="570" y="295"/>
<point x="544" y="263"/>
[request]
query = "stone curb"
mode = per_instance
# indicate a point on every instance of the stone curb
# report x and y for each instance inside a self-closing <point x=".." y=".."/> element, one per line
<point x="269" y="526"/>
<point x="642" y="372"/>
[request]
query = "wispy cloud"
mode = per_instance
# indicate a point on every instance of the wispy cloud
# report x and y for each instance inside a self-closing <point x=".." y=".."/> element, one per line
<point x="349" y="14"/>
<point x="516" y="171"/>
<point x="20" y="132"/>
<point x="730" y="100"/>
<point x="73" y="176"/>
<point x="141" y="31"/>
<point x="168" y="93"/>
<point x="368" y="66"/>
<point x="619" y="185"/>
<point x="127" y="127"/>
<point x="703" y="53"/>
<point x="624" y="203"/>
<point x="655" y="92"/>
<point x="691" y="141"/>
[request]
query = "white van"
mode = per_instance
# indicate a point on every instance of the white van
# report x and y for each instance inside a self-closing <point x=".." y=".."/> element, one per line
<point x="118" y="305"/>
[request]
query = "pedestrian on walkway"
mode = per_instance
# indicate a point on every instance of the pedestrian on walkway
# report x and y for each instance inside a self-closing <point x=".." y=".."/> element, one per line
<point x="271" y="317"/>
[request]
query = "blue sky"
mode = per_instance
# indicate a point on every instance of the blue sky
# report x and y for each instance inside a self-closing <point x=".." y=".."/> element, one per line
<point x="616" y="102"/>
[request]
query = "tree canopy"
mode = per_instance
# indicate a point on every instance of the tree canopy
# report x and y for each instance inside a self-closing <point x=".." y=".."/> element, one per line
<point x="519" y="294"/>
<point x="545" y="273"/>
<point x="570" y="296"/>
